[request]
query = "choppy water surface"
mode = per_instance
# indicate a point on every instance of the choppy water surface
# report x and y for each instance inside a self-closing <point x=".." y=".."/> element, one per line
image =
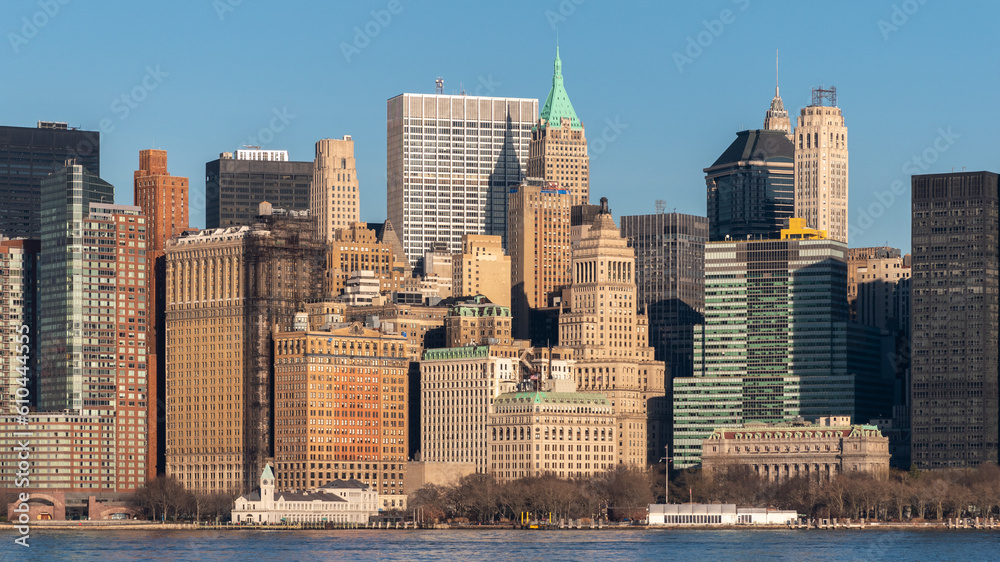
<point x="478" y="545"/>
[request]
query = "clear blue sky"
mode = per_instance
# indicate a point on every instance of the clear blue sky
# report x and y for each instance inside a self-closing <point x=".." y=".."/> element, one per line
<point x="922" y="83"/>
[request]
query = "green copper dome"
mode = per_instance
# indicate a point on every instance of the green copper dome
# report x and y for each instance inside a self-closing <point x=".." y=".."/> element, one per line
<point x="557" y="105"/>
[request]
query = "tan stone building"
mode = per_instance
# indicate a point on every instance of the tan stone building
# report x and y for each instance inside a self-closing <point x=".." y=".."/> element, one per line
<point x="333" y="198"/>
<point x="477" y="321"/>
<point x="225" y="290"/>
<point x="538" y="241"/>
<point x="821" y="166"/>
<point x="565" y="434"/>
<point x="423" y="325"/>
<point x="482" y="268"/>
<point x="457" y="389"/>
<point x="341" y="409"/>
<point x="358" y="248"/>
<point x="817" y="451"/>
<point x="611" y="341"/>
<point x="558" y="148"/>
<point x="878" y="287"/>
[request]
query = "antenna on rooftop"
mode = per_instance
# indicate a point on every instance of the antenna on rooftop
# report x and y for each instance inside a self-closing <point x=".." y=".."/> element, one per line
<point x="661" y="206"/>
<point x="439" y="85"/>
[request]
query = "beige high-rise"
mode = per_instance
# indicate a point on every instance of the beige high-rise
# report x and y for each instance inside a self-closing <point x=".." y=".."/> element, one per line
<point x="538" y="240"/>
<point x="611" y="341"/>
<point x="482" y="269"/>
<point x="558" y="149"/>
<point x="821" y="167"/>
<point x="334" y="199"/>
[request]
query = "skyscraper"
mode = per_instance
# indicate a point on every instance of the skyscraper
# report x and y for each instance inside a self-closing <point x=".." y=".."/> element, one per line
<point x="558" y="148"/>
<point x="66" y="197"/>
<point x="19" y="307"/>
<point x="954" y="320"/>
<point x="775" y="339"/>
<point x="610" y="341"/>
<point x="226" y="290"/>
<point x="94" y="306"/>
<point x="236" y="185"/>
<point x="334" y="199"/>
<point x="776" y="118"/>
<point x="670" y="279"/>
<point x="821" y="165"/>
<point x="450" y="162"/>
<point x="27" y="156"/>
<point x="164" y="202"/>
<point x="539" y="248"/>
<point x="751" y="187"/>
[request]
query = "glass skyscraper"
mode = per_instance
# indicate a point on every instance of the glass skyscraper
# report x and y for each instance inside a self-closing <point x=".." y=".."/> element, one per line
<point x="28" y="155"/>
<point x="751" y="187"/>
<point x="774" y="343"/>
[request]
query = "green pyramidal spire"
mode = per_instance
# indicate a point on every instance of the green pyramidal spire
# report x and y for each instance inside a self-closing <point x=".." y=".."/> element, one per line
<point x="557" y="105"/>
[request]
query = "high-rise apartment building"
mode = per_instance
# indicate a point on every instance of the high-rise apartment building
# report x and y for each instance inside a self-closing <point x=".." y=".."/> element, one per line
<point x="352" y="423"/>
<point x="18" y="317"/>
<point x="236" y="186"/>
<point x="751" y="187"/>
<point x="482" y="268"/>
<point x="558" y="148"/>
<point x="821" y="165"/>
<point x="670" y="280"/>
<point x="539" y="247"/>
<point x="163" y="199"/>
<point x="450" y="162"/>
<point x="66" y="198"/>
<point x="226" y="289"/>
<point x="94" y="312"/>
<point x="955" y="327"/>
<point x="610" y="339"/>
<point x="27" y="156"/>
<point x="334" y="198"/>
<point x="775" y="339"/>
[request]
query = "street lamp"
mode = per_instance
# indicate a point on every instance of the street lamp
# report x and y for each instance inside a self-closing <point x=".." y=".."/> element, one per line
<point x="666" y="471"/>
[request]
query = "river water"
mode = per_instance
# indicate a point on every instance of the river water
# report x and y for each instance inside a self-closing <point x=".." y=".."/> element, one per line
<point x="482" y="545"/>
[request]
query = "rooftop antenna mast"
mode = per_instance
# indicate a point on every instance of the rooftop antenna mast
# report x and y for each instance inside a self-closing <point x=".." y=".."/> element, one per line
<point x="439" y="86"/>
<point x="661" y="206"/>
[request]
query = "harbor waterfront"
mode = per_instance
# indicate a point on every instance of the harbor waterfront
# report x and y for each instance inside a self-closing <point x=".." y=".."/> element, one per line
<point x="469" y="544"/>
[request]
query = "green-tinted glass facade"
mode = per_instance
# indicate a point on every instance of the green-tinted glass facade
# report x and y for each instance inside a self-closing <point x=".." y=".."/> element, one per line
<point x="774" y="343"/>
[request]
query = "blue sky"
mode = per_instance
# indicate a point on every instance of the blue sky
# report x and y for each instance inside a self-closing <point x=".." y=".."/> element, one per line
<point x="661" y="87"/>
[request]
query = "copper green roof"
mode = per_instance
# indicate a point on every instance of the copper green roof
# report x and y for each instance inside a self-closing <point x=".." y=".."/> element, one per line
<point x="464" y="352"/>
<point x="267" y="474"/>
<point x="557" y="105"/>
<point x="540" y="397"/>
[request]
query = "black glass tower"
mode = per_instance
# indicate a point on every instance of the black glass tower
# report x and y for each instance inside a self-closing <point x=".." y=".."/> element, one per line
<point x="751" y="187"/>
<point x="27" y="155"/>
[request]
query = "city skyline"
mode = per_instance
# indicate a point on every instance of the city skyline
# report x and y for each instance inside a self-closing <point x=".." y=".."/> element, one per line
<point x="648" y="93"/>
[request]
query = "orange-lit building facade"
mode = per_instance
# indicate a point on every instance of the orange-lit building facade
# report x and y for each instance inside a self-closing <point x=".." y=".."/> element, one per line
<point x="341" y="409"/>
<point x="164" y="201"/>
<point x="539" y="245"/>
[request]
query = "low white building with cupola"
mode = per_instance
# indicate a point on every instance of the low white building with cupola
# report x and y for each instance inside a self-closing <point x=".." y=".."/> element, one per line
<point x="338" y="501"/>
